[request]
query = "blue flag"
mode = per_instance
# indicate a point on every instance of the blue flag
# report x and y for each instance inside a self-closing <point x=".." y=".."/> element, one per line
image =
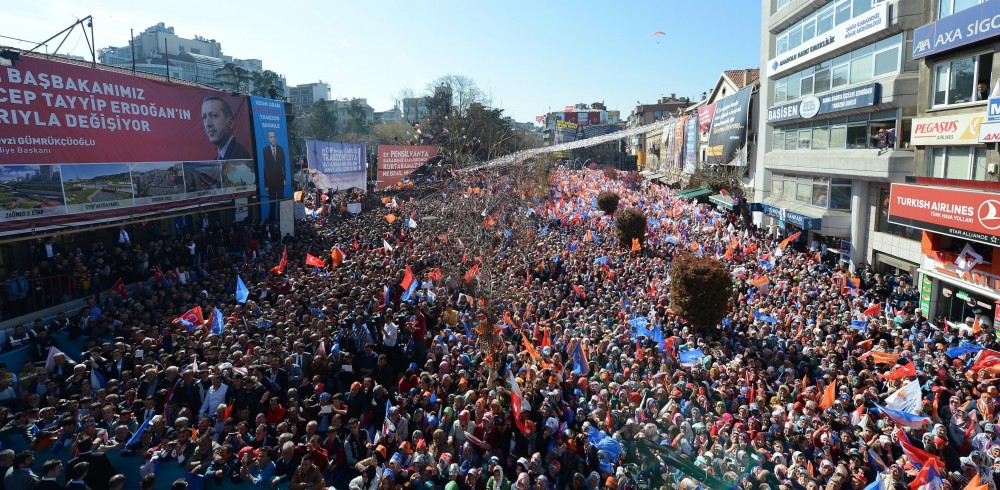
<point x="545" y="231"/>
<point x="409" y="291"/>
<point x="602" y="260"/>
<point x="242" y="293"/>
<point x="764" y="318"/>
<point x="965" y="348"/>
<point x="138" y="432"/>
<point x="580" y="364"/>
<point x="766" y="265"/>
<point x="604" y="442"/>
<point x="218" y="325"/>
<point x="877" y="484"/>
<point x="859" y="325"/>
<point x="506" y="233"/>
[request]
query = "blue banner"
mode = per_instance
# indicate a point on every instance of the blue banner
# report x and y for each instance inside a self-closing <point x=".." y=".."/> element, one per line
<point x="836" y="101"/>
<point x="273" y="168"/>
<point x="336" y="166"/>
<point x="965" y="27"/>
<point x="690" y="144"/>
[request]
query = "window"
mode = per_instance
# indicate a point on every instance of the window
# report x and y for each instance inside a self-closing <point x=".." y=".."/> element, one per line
<point x="958" y="162"/>
<point x="857" y="136"/>
<point x="838" y="137"/>
<point x="820" y="138"/>
<point x="805" y="139"/>
<point x="864" y="64"/>
<point x="950" y="7"/>
<point x="817" y="191"/>
<point x="855" y="132"/>
<point x="778" y="142"/>
<point x="836" y="12"/>
<point x="780" y="91"/>
<point x="956" y="81"/>
<point x="821" y="80"/>
<point x="882" y="223"/>
<point x="840" y="194"/>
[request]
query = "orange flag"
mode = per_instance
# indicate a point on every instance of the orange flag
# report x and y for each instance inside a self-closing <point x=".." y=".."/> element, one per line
<point x="530" y="348"/>
<point x="636" y="246"/>
<point x="545" y="339"/>
<point x="973" y="483"/>
<point x="278" y="269"/>
<point x="337" y="257"/>
<point x="784" y="243"/>
<point x="472" y="274"/>
<point x="829" y="396"/>
<point x="729" y="253"/>
<point x="975" y="326"/>
<point x="879" y="357"/>
<point x="390" y="218"/>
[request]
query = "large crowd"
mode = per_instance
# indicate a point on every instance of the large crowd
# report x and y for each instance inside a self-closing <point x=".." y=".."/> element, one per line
<point x="534" y="353"/>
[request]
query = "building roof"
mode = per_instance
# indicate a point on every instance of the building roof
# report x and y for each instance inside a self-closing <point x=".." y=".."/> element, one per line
<point x="742" y="78"/>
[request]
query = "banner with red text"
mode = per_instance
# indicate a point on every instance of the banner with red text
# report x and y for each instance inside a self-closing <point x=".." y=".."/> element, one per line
<point x="396" y="162"/>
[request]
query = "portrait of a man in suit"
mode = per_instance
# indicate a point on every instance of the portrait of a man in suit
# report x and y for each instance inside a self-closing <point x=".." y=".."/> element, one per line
<point x="217" y="117"/>
<point x="274" y="173"/>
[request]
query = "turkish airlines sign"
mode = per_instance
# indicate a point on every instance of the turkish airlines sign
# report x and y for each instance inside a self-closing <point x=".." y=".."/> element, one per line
<point x="972" y="215"/>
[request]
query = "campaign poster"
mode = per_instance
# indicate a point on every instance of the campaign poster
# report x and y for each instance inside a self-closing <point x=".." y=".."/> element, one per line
<point x="273" y="166"/>
<point x="705" y="115"/>
<point x="76" y="139"/>
<point x="690" y="144"/>
<point x="336" y="166"/>
<point x="729" y="127"/>
<point x="396" y="162"/>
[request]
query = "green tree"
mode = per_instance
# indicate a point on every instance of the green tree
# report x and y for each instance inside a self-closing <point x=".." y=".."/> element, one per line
<point x="701" y="290"/>
<point x="232" y="78"/>
<point x="357" y="121"/>
<point x="630" y="223"/>
<point x="608" y="202"/>
<point x="266" y="84"/>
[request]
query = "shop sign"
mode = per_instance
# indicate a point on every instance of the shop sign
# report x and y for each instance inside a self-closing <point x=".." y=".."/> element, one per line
<point x="976" y="278"/>
<point x="972" y="215"/>
<point x="957" y="129"/>
<point x="840" y="100"/>
<point x="965" y="27"/>
<point x="926" y="285"/>
<point x="800" y="220"/>
<point x="868" y="24"/>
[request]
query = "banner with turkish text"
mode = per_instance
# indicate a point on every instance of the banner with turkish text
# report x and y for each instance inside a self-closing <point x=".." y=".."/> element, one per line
<point x="336" y="166"/>
<point x="396" y="162"/>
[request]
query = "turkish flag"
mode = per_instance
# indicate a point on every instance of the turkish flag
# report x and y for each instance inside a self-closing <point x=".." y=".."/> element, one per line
<point x="314" y="261"/>
<point x="280" y="268"/>
<point x="119" y="288"/>
<point x="900" y="371"/>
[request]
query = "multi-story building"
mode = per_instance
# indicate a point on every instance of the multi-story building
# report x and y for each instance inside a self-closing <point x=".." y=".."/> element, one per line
<point x="838" y="92"/>
<point x="159" y="50"/>
<point x="948" y="213"/>
<point x="643" y="114"/>
<point x="347" y="119"/>
<point x="302" y="97"/>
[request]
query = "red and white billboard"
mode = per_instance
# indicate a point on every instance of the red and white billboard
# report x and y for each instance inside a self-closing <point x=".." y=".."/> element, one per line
<point x="705" y="115"/>
<point x="79" y="144"/>
<point x="396" y="162"/>
<point x="972" y="215"/>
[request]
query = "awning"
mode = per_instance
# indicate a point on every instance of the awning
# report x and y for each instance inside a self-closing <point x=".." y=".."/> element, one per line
<point x="793" y="213"/>
<point x="722" y="200"/>
<point x="695" y="193"/>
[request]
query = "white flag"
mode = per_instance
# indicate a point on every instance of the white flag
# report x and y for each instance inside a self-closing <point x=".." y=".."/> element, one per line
<point x="907" y="399"/>
<point x="386" y="245"/>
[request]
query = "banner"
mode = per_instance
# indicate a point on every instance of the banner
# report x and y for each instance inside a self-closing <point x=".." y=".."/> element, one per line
<point x="75" y="139"/>
<point x="861" y="26"/>
<point x="336" y="166"/>
<point x="273" y="168"/>
<point x="676" y="159"/>
<point x="565" y="132"/>
<point x="955" y="129"/>
<point x="395" y="162"/>
<point x="705" y="115"/>
<point x="729" y="127"/>
<point x="972" y="215"/>
<point x="968" y="26"/>
<point x="690" y="144"/>
<point x="840" y="100"/>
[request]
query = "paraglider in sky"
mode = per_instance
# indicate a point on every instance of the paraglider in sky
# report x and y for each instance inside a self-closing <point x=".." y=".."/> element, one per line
<point x="659" y="33"/>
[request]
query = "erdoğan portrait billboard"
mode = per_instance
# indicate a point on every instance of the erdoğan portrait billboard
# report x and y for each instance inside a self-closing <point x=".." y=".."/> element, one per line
<point x="80" y="143"/>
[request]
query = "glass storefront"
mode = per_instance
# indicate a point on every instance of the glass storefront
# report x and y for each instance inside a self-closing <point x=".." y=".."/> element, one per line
<point x="957" y="303"/>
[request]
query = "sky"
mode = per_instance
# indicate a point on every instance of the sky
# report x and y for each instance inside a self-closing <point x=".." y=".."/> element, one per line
<point x="530" y="57"/>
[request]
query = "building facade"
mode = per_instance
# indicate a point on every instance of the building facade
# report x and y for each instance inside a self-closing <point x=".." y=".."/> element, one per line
<point x="948" y="211"/>
<point x="302" y="97"/>
<point x="839" y="90"/>
<point x="159" y="50"/>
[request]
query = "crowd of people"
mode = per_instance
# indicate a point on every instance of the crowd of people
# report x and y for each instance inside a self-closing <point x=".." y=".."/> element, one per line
<point x="474" y="336"/>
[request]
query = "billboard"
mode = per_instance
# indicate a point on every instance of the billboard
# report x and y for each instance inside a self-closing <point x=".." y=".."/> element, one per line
<point x="75" y="139"/>
<point x="565" y="132"/>
<point x="968" y="26"/>
<point x="273" y="167"/>
<point x="690" y="144"/>
<point x="729" y="127"/>
<point x="972" y="215"/>
<point x="955" y="129"/>
<point x="395" y="162"/>
<point x="336" y="165"/>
